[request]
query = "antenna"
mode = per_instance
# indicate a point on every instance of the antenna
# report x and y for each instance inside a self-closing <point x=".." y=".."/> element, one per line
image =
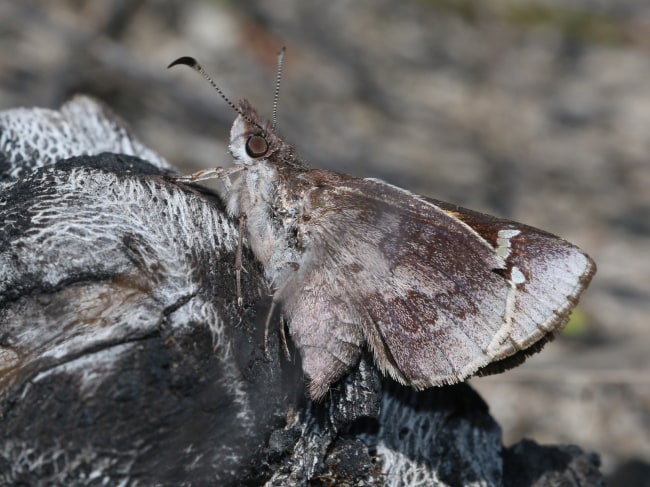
<point x="193" y="63"/>
<point x="276" y="95"/>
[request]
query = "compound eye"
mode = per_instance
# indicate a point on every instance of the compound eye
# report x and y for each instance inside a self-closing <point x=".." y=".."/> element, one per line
<point x="256" y="146"/>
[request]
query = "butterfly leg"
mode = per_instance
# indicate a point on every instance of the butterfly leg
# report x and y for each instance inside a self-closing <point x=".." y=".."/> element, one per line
<point x="277" y="298"/>
<point x="212" y="173"/>
<point x="238" y="259"/>
<point x="283" y="338"/>
<point x="267" y="323"/>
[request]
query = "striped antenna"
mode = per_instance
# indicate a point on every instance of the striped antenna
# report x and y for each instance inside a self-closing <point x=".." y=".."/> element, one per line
<point x="276" y="95"/>
<point x="193" y="63"/>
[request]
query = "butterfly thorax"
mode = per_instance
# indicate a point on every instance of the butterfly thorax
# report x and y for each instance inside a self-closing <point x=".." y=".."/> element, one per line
<point x="273" y="206"/>
<point x="268" y="193"/>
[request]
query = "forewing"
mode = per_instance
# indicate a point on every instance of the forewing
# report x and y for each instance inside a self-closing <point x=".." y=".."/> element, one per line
<point x="438" y="292"/>
<point x="548" y="274"/>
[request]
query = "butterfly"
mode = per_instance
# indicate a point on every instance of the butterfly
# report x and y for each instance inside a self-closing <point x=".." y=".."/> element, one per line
<point x="436" y="292"/>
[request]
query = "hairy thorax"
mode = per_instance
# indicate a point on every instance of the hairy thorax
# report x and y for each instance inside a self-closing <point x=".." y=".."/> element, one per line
<point x="273" y="214"/>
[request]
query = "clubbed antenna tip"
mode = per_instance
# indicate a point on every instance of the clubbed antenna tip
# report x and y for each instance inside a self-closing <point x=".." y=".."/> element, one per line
<point x="187" y="61"/>
<point x="194" y="64"/>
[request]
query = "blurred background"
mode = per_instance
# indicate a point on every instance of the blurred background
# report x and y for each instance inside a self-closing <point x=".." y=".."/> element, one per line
<point x="534" y="110"/>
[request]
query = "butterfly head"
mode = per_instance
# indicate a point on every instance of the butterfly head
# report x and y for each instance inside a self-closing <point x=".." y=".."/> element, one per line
<point x="252" y="140"/>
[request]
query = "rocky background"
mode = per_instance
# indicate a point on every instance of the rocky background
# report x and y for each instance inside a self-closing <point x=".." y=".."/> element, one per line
<point x="537" y="111"/>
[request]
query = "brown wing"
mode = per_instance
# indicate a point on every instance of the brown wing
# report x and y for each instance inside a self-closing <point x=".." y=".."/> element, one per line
<point x="438" y="292"/>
